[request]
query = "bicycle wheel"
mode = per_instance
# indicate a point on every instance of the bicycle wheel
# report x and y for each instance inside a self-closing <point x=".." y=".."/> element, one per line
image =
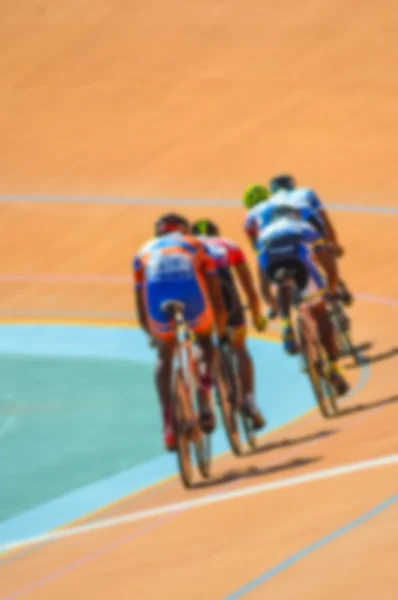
<point x="250" y="432"/>
<point x="201" y="441"/>
<point x="311" y="352"/>
<point x="203" y="454"/>
<point x="227" y="401"/>
<point x="181" y="417"/>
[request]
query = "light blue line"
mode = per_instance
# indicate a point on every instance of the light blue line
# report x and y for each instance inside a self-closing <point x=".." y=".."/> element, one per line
<point x="216" y="202"/>
<point x="319" y="544"/>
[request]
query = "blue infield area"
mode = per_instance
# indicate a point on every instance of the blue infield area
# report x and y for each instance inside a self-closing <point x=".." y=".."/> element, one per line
<point x="118" y="451"/>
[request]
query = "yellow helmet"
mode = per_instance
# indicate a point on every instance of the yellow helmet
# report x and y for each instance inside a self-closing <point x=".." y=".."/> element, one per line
<point x="255" y="194"/>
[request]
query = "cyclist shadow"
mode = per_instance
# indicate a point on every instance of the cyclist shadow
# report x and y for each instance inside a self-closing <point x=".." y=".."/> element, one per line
<point x="288" y="442"/>
<point x="253" y="471"/>
<point x="344" y="412"/>
<point x="367" y="360"/>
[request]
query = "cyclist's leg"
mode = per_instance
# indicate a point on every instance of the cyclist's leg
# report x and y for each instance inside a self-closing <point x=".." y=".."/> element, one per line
<point x="237" y="335"/>
<point x="284" y="294"/>
<point x="200" y="319"/>
<point x="246" y="373"/>
<point x="163" y="379"/>
<point x="313" y="295"/>
<point x="163" y="333"/>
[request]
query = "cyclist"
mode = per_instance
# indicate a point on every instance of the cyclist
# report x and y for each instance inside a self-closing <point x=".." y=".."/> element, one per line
<point x="263" y="208"/>
<point x="228" y="256"/>
<point x="286" y="183"/>
<point x="177" y="266"/>
<point x="290" y="242"/>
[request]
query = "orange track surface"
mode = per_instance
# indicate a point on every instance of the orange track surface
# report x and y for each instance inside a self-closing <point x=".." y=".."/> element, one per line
<point x="173" y="99"/>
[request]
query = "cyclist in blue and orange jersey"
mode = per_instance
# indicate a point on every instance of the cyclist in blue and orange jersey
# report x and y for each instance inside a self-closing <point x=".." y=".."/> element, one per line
<point x="229" y="259"/>
<point x="289" y="242"/>
<point x="286" y="185"/>
<point x="177" y="266"/>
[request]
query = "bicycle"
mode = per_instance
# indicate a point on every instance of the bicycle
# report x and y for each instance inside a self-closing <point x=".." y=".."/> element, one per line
<point x="184" y="387"/>
<point x="316" y="362"/>
<point x="229" y="395"/>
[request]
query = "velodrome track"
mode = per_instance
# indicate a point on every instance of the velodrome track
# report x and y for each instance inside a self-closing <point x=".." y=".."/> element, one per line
<point x="303" y="528"/>
<point x="315" y="514"/>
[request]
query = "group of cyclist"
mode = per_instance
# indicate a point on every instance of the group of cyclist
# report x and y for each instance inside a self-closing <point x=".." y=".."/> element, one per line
<point x="192" y="263"/>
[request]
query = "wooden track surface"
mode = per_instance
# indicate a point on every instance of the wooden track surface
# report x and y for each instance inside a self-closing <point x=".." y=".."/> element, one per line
<point x="169" y="99"/>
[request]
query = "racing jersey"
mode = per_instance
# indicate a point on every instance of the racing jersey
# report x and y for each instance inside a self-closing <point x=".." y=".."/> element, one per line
<point x="283" y="239"/>
<point x="301" y="203"/>
<point x="224" y="251"/>
<point x="172" y="258"/>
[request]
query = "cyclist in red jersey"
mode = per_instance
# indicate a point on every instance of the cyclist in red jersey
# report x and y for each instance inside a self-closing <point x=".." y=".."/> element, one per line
<point x="229" y="258"/>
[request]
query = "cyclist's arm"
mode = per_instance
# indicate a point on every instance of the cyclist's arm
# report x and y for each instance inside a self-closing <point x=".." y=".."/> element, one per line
<point x="251" y="231"/>
<point x="330" y="232"/>
<point x="220" y="314"/>
<point x="209" y="271"/>
<point x="265" y="285"/>
<point x="138" y="278"/>
<point x="246" y="281"/>
<point x="140" y="307"/>
<point x="328" y="262"/>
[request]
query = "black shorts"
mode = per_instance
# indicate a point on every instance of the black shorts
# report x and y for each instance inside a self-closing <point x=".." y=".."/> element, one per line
<point x="300" y="272"/>
<point x="231" y="298"/>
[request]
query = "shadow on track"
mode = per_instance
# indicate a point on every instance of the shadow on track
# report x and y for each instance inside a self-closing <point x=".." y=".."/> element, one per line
<point x="367" y="360"/>
<point x="344" y="412"/>
<point x="289" y="442"/>
<point x="252" y="471"/>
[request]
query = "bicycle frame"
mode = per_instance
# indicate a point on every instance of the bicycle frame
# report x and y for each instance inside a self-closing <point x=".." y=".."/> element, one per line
<point x="185" y="356"/>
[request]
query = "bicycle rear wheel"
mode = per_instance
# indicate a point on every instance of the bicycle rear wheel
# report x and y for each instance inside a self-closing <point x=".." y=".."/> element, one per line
<point x="250" y="432"/>
<point x="181" y="416"/>
<point x="311" y="352"/>
<point x="227" y="400"/>
<point x="203" y="454"/>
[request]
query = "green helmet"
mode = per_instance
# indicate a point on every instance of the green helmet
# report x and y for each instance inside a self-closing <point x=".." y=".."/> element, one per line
<point x="255" y="194"/>
<point x="205" y="227"/>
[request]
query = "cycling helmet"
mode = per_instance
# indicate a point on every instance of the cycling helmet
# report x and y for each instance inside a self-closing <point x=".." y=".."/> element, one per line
<point x="282" y="182"/>
<point x="171" y="222"/>
<point x="255" y="194"/>
<point x="205" y="227"/>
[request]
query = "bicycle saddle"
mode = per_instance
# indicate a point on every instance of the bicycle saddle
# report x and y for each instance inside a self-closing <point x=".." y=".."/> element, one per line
<point x="172" y="306"/>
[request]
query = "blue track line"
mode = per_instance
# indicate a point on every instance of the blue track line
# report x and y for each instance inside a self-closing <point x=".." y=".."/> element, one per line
<point x="318" y="545"/>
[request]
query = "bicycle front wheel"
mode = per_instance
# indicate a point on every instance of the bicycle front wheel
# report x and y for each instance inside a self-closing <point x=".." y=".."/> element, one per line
<point x="182" y="417"/>
<point x="228" y="402"/>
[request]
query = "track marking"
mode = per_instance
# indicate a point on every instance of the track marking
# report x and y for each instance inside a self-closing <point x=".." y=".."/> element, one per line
<point x="217" y="203"/>
<point x="114" y="278"/>
<point x="356" y="467"/>
<point x="319" y="544"/>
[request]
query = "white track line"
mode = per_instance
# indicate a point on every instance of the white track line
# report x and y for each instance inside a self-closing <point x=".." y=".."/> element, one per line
<point x="204" y="501"/>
